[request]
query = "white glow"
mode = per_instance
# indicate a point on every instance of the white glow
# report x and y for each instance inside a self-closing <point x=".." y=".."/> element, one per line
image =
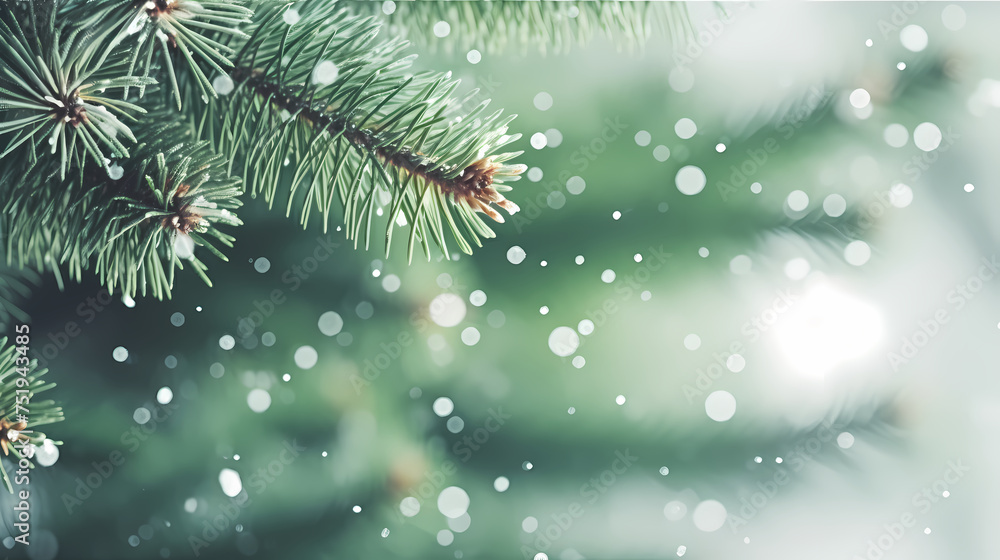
<point x="453" y="502"/>
<point x="860" y="98"/>
<point x="447" y="310"/>
<point x="825" y="328"/>
<point x="230" y="482"/>
<point x="563" y="341"/>
<point x="913" y="38"/>
<point x="709" y="516"/>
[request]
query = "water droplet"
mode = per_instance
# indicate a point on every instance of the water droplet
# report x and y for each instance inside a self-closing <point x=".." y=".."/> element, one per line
<point x="860" y="98"/>
<point x="709" y="516"/>
<point x="735" y="363"/>
<point x="553" y="137"/>
<point x="259" y="400"/>
<point x="685" y="128"/>
<point x="516" y="254"/>
<point x="900" y="195"/>
<point x="409" y="507"/>
<point x="448" y="310"/>
<point x="325" y="73"/>
<point x="115" y="172"/>
<point x="797" y="201"/>
<point x="913" y="38"/>
<point x="692" y="341"/>
<point x="543" y="101"/>
<point x="896" y="135"/>
<point x="445" y="537"/>
<point x="720" y="406"/>
<point x="564" y="341"/>
<point x="477" y="298"/>
<point x="575" y="185"/>
<point x="330" y="323"/>
<point x="306" y="357"/>
<point x="690" y="180"/>
<point x="927" y="136"/>
<point x="164" y="395"/>
<point x="453" y="502"/>
<point x="953" y="17"/>
<point x="141" y="415"/>
<point x="501" y="484"/>
<point x="845" y="440"/>
<point x="223" y="84"/>
<point x="857" y="253"/>
<point x="443" y="406"/>
<point x="661" y="153"/>
<point x="230" y="482"/>
<point x="538" y="140"/>
<point x="177" y="319"/>
<point x="470" y="336"/>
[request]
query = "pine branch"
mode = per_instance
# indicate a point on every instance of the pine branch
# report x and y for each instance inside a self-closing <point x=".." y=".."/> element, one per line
<point x="134" y="223"/>
<point x="15" y="286"/>
<point x="183" y="34"/>
<point x="538" y="25"/>
<point x="319" y="108"/>
<point x="21" y="412"/>
<point x="306" y="104"/>
<point x="52" y="93"/>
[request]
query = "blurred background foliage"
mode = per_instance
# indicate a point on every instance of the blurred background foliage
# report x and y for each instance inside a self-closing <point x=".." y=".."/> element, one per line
<point x="769" y="84"/>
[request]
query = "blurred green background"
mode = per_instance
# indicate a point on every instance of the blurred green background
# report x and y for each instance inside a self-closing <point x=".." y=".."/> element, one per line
<point x="842" y="444"/>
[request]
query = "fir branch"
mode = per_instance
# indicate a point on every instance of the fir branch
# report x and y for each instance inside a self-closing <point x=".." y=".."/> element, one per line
<point x="322" y="108"/>
<point x="539" y="25"/>
<point x="52" y="94"/>
<point x="186" y="33"/>
<point x="17" y="375"/>
<point x="134" y="223"/>
<point x="15" y="286"/>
